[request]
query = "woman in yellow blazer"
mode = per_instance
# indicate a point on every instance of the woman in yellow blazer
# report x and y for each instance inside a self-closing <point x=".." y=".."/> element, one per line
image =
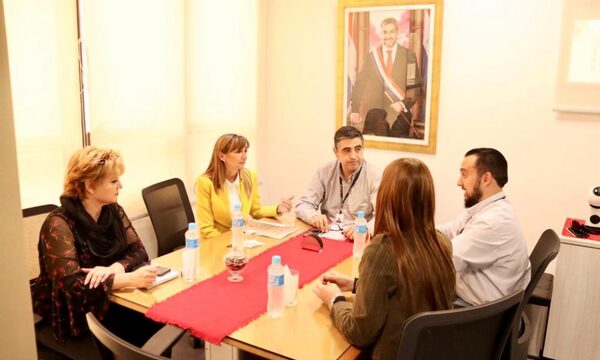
<point x="227" y="182"/>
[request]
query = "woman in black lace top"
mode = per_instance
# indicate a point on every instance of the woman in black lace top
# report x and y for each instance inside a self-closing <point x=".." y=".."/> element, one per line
<point x="87" y="246"/>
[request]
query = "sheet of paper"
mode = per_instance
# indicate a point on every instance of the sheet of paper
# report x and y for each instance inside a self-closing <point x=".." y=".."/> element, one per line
<point x="333" y="235"/>
<point x="271" y="229"/>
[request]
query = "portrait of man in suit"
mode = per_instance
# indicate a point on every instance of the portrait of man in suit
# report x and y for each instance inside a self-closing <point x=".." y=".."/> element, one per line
<point x="386" y="67"/>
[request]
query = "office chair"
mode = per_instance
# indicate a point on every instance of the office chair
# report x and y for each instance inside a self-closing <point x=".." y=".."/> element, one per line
<point x="543" y="253"/>
<point x="33" y="218"/>
<point x="154" y="348"/>
<point x="170" y="212"/>
<point x="476" y="332"/>
<point x="47" y="347"/>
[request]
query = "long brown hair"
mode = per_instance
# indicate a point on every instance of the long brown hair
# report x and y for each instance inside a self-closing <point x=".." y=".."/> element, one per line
<point x="216" y="169"/>
<point x="405" y="212"/>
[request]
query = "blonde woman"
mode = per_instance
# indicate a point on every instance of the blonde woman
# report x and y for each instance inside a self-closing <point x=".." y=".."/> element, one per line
<point x="87" y="247"/>
<point x="406" y="269"/>
<point x="227" y="182"/>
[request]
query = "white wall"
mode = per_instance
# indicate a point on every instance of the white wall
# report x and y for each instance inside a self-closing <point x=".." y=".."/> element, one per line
<point x="498" y="74"/>
<point x="221" y="77"/>
<point x="17" y="339"/>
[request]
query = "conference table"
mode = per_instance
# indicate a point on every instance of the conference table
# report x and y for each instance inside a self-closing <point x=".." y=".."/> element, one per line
<point x="304" y="332"/>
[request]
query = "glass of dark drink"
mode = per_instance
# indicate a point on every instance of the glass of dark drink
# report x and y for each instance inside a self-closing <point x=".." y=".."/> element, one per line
<point x="235" y="262"/>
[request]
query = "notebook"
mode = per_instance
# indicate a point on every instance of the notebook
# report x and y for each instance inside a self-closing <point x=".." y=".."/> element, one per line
<point x="172" y="274"/>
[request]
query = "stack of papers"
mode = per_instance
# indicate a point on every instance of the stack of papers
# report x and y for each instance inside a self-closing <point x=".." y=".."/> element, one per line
<point x="271" y="229"/>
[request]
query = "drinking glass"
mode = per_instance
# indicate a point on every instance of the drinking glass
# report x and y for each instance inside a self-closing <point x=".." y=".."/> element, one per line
<point x="236" y="262"/>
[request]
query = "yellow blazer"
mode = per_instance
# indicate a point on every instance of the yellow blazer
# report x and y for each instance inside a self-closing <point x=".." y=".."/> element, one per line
<point x="212" y="207"/>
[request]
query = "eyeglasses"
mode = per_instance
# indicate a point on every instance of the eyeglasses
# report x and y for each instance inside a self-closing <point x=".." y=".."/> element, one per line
<point x="335" y="227"/>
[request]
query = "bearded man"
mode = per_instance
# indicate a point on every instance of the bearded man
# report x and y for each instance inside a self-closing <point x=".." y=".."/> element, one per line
<point x="489" y="250"/>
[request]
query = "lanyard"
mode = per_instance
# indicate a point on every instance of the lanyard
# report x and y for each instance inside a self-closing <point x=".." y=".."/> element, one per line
<point x="342" y="197"/>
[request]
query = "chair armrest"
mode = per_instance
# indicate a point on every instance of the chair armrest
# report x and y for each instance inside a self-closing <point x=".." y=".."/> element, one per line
<point x="163" y="339"/>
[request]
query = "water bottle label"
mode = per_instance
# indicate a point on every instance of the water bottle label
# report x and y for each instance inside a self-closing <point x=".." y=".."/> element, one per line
<point x="275" y="280"/>
<point x="361" y="229"/>
<point x="239" y="222"/>
<point x="191" y="243"/>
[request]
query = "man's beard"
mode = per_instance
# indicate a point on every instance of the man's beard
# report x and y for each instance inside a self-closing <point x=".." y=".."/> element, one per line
<point x="473" y="199"/>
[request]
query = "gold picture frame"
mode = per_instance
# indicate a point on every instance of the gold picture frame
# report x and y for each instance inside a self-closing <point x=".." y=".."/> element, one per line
<point x="389" y="58"/>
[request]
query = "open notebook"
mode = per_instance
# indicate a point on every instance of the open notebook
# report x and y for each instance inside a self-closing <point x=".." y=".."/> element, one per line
<point x="271" y="229"/>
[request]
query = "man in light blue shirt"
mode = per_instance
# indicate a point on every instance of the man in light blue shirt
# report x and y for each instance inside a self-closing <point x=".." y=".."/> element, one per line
<point x="342" y="187"/>
<point x="489" y="250"/>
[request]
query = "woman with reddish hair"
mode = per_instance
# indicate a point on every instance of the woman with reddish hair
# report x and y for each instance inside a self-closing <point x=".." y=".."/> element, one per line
<point x="406" y="269"/>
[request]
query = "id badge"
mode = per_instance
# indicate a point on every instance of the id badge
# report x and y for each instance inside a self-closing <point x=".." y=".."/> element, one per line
<point x="339" y="218"/>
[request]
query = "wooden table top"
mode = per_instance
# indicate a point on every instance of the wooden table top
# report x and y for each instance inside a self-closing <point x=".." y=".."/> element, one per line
<point x="304" y="332"/>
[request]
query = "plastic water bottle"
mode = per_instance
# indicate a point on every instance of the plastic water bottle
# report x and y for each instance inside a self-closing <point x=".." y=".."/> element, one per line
<point x="190" y="253"/>
<point x="360" y="234"/>
<point x="275" y="286"/>
<point x="237" y="228"/>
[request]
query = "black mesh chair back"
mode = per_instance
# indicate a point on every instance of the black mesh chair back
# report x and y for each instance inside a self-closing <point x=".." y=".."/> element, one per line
<point x="476" y="332"/>
<point x="170" y="212"/>
<point x="543" y="253"/>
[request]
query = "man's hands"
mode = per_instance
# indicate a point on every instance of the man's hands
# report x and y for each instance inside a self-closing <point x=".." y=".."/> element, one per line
<point x="348" y="231"/>
<point x="355" y="118"/>
<point x="399" y="106"/>
<point x="320" y="222"/>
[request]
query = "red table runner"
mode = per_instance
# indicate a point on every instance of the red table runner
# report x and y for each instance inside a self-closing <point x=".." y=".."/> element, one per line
<point x="215" y="307"/>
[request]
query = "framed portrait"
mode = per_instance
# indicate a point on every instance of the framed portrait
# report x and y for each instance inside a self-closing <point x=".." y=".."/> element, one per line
<point x="389" y="71"/>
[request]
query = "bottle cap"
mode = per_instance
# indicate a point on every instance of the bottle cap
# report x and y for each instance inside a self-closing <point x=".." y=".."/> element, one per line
<point x="360" y="214"/>
<point x="276" y="259"/>
<point x="192" y="226"/>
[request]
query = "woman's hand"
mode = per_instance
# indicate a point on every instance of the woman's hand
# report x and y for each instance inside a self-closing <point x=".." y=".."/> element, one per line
<point x="285" y="206"/>
<point x="96" y="275"/>
<point x="118" y="268"/>
<point x="326" y="292"/>
<point x="343" y="282"/>
<point x="144" y="277"/>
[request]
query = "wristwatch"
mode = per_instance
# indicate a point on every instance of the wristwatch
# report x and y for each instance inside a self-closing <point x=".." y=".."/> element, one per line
<point x="335" y="299"/>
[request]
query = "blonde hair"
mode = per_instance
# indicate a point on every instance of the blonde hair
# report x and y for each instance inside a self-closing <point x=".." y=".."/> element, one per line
<point x="216" y="169"/>
<point x="90" y="164"/>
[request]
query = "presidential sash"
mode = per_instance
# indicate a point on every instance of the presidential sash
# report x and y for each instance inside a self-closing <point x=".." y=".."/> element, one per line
<point x="391" y="89"/>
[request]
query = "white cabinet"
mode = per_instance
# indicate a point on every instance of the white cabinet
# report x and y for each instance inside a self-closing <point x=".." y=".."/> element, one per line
<point x="574" y="323"/>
